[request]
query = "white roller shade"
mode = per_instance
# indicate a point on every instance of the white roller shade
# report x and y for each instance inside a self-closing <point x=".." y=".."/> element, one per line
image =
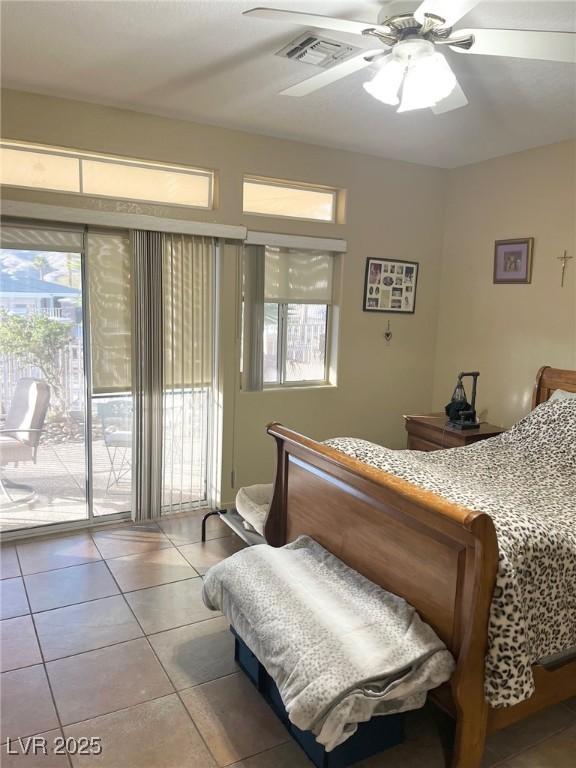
<point x="293" y="275"/>
<point x="39" y="170"/>
<point x="28" y="237"/>
<point x="109" y="284"/>
<point x="277" y="198"/>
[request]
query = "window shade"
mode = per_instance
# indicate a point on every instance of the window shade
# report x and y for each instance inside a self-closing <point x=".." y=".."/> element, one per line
<point x="187" y="299"/>
<point x="294" y="276"/>
<point x="39" y="170"/>
<point x="28" y="237"/>
<point x="277" y="198"/>
<point x="109" y="280"/>
<point x="152" y="184"/>
<point x="66" y="170"/>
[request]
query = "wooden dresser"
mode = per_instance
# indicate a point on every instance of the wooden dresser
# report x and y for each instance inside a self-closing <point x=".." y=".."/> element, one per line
<point x="431" y="433"/>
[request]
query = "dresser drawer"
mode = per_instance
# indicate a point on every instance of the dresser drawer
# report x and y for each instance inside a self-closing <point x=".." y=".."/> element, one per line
<point x="419" y="444"/>
<point x="433" y="433"/>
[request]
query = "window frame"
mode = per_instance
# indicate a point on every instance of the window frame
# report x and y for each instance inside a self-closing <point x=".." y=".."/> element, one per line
<point x="297" y="185"/>
<point x="80" y="155"/>
<point x="282" y="344"/>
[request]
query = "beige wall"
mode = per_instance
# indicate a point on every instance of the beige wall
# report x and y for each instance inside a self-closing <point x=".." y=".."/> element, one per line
<point x="507" y="331"/>
<point x="394" y="209"/>
<point x="447" y="221"/>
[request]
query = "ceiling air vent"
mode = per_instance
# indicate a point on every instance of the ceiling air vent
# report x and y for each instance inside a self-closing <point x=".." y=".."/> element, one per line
<point x="318" y="51"/>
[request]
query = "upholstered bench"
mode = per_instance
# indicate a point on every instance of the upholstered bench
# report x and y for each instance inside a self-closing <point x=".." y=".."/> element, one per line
<point x="337" y="657"/>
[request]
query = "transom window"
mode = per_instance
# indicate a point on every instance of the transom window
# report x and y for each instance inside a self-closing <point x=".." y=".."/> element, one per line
<point x="270" y="197"/>
<point x="63" y="170"/>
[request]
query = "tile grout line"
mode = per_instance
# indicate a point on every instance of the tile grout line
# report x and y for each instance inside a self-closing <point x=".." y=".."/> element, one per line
<point x="523" y="751"/>
<point x="43" y="660"/>
<point x="501" y="762"/>
<point x="146" y="701"/>
<point x="144" y="635"/>
<point x="102" y="525"/>
<point x="104" y="597"/>
<point x="170" y="544"/>
<point x="169" y="679"/>
<point x="114" y="594"/>
<point x="91" y="533"/>
<point x="217" y="615"/>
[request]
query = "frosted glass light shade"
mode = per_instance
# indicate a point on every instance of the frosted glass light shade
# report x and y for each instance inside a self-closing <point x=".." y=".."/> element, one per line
<point x="418" y="72"/>
<point x="427" y="81"/>
<point x="386" y="84"/>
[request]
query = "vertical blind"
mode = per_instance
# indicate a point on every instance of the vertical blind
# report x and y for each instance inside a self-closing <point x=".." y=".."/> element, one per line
<point x="253" y="288"/>
<point x="147" y="368"/>
<point x="172" y="376"/>
<point x="187" y="288"/>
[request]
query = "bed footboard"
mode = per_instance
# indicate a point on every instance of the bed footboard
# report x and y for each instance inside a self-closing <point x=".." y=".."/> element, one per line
<point x="440" y="557"/>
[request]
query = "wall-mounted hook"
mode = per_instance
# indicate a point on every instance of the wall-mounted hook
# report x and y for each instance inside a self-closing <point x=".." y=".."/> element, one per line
<point x="388" y="333"/>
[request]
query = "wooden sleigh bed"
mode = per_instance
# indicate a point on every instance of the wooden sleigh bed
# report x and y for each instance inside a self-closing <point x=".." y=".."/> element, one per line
<point x="441" y="557"/>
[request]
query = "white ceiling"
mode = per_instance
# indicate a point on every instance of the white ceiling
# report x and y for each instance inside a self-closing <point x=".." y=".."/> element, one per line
<point x="201" y="60"/>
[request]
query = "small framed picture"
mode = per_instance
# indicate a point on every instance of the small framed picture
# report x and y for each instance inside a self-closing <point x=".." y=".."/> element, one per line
<point x="390" y="285"/>
<point x="513" y="260"/>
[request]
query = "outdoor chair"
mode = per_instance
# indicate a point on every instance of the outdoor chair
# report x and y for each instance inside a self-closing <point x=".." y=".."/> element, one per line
<point x="116" y="419"/>
<point x="21" y="431"/>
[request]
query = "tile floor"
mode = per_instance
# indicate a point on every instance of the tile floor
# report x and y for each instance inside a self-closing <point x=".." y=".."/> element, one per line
<point x="105" y="635"/>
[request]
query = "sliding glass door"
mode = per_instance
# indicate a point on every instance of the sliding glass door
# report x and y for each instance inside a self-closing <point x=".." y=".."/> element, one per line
<point x="43" y="452"/>
<point x="65" y="375"/>
<point x="67" y="412"/>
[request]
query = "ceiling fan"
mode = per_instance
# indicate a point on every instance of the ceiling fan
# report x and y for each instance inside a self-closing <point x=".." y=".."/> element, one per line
<point x="413" y="73"/>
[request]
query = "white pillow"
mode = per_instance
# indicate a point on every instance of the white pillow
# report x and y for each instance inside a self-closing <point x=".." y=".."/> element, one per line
<point x="561" y="394"/>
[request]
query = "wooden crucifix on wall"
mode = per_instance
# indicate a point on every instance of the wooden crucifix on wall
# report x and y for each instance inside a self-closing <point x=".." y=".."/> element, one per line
<point x="564" y="259"/>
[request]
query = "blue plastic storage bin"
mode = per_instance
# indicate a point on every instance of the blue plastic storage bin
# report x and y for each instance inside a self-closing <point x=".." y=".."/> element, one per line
<point x="372" y="737"/>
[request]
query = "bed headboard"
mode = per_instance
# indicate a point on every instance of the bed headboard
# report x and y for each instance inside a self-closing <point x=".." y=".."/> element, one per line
<point x="548" y="379"/>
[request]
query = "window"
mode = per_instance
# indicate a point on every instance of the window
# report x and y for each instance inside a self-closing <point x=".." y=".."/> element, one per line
<point x="295" y="343"/>
<point x="62" y="170"/>
<point x="286" y="316"/>
<point x="39" y="170"/>
<point x="144" y="183"/>
<point x="268" y="197"/>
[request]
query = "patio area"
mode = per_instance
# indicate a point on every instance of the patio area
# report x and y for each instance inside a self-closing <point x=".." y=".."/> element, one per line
<point x="59" y="482"/>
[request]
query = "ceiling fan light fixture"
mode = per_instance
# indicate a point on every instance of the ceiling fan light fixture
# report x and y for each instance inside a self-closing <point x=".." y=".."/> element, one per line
<point x="428" y="80"/>
<point x="385" y="85"/>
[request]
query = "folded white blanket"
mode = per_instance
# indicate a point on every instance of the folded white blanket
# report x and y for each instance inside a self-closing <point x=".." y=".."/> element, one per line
<point x="339" y="648"/>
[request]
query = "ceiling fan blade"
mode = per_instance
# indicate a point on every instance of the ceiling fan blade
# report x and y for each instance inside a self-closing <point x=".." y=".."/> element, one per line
<point x="455" y="100"/>
<point x="353" y="64"/>
<point x="522" y="44"/>
<point x="314" y="20"/>
<point x="450" y="10"/>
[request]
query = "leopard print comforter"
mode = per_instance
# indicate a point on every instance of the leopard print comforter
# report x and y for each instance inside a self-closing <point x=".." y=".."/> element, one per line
<point x="525" y="479"/>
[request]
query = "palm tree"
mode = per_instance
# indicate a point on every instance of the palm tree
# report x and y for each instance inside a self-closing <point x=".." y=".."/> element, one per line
<point x="42" y="264"/>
